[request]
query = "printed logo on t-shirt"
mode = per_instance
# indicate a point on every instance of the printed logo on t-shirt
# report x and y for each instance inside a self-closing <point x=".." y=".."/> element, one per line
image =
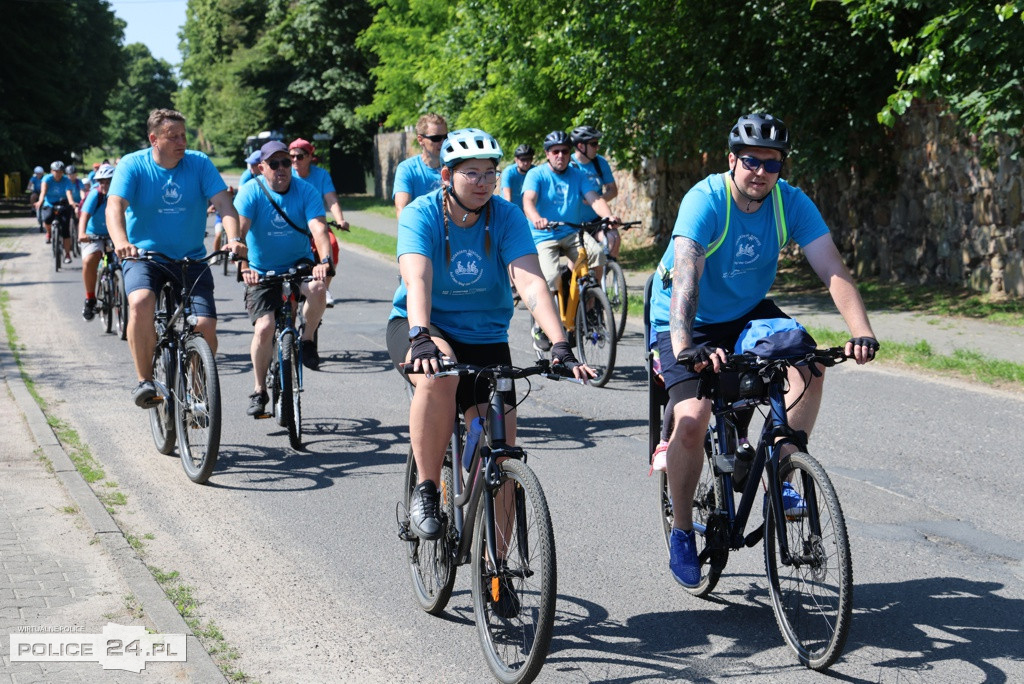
<point x="748" y="251"/>
<point x="277" y="221"/>
<point x="172" y="192"/>
<point x="466" y="267"/>
<point x="561" y="192"/>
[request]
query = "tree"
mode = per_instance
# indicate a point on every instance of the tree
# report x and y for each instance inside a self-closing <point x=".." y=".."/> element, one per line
<point x="148" y="84"/>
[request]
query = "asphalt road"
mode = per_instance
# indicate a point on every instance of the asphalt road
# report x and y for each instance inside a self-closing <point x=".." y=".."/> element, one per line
<point x="295" y="555"/>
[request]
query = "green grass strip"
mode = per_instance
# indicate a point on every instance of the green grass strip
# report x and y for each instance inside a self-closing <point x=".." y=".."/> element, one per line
<point x="378" y="242"/>
<point x="367" y="203"/>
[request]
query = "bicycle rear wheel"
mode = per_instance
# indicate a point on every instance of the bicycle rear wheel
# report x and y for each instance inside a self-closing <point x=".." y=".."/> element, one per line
<point x="120" y="305"/>
<point x="595" y="334"/>
<point x="432" y="563"/>
<point x="106" y="301"/>
<point x="57" y="243"/>
<point x="813" y="596"/>
<point x="198" y="410"/>
<point x="614" y="285"/>
<point x="291" y="402"/>
<point x="161" y="417"/>
<point x="514" y="598"/>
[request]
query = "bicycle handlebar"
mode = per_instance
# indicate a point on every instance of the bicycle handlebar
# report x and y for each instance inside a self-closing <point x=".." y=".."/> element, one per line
<point x="543" y="367"/>
<point x="152" y="255"/>
<point x="303" y="272"/>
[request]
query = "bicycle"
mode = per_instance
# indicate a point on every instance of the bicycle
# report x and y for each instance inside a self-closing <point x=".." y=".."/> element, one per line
<point x="504" y="532"/>
<point x="590" y="327"/>
<point x="111" y="298"/>
<point x="284" y="376"/>
<point x="807" y="554"/>
<point x="613" y="282"/>
<point x="185" y="375"/>
<point x="63" y="215"/>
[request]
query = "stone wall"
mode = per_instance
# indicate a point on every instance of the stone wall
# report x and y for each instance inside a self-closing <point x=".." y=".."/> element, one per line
<point x="389" y="149"/>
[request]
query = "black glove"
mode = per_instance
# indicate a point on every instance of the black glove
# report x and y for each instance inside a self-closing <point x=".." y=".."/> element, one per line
<point x="691" y="356"/>
<point x="870" y="342"/>
<point x="561" y="353"/>
<point x="423" y="348"/>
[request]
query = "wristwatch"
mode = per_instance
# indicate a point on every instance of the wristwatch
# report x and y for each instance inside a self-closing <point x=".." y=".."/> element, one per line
<point x="235" y="239"/>
<point x="326" y="260"/>
<point x="417" y="330"/>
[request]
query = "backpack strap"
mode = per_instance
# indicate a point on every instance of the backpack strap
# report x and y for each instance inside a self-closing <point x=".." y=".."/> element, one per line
<point x="781" y="229"/>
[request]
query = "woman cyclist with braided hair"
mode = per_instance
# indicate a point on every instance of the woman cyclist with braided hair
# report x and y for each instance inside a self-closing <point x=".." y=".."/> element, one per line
<point x="457" y="248"/>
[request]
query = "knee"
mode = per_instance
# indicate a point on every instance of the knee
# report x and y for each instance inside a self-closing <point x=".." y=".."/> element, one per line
<point x="689" y="430"/>
<point x="263" y="329"/>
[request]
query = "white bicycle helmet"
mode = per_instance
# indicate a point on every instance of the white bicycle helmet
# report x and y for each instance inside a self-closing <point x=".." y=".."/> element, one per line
<point x="57" y="166"/>
<point x="469" y="143"/>
<point x="105" y="171"/>
<point x="38" y="169"/>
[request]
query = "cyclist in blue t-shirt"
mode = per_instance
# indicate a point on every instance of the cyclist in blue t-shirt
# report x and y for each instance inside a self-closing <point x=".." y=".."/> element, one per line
<point x="513" y="176"/>
<point x="54" y="188"/>
<point x="725" y="248"/>
<point x="157" y="201"/>
<point x="457" y="248"/>
<point x="92" y="228"/>
<point x="421" y="174"/>
<point x="585" y="141"/>
<point x="77" y="186"/>
<point x="35" y="184"/>
<point x="275" y="244"/>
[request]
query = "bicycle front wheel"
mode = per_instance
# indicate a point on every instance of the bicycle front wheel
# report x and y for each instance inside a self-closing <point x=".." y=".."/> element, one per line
<point x="161" y="417"/>
<point x="614" y="284"/>
<point x="57" y="242"/>
<point x="291" y="402"/>
<point x="107" y="303"/>
<point x="432" y="563"/>
<point x="198" y="410"/>
<point x="120" y="305"/>
<point x="595" y="334"/>
<point x="813" y="595"/>
<point x="514" y="595"/>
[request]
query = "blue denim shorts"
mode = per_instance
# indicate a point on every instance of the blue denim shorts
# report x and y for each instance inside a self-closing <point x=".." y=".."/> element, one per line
<point x="149" y="275"/>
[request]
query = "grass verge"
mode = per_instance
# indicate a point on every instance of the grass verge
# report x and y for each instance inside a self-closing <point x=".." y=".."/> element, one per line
<point x="378" y="242"/>
<point x="367" y="203"/>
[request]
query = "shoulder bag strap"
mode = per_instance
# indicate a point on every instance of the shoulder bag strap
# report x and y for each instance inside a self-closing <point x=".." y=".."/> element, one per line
<point x="281" y="211"/>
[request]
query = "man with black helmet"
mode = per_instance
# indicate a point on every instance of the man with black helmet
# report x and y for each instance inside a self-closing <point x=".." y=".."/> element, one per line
<point x="513" y="176"/>
<point x="558" y="192"/>
<point x="585" y="141"/>
<point x="725" y="247"/>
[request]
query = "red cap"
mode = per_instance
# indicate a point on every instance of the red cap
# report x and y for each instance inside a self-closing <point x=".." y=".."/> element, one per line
<point x="96" y="165"/>
<point x="302" y="145"/>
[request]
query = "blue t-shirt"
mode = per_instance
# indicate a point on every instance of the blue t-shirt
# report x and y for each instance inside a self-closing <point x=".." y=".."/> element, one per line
<point x="416" y="178"/>
<point x="559" y="198"/>
<point x="739" y="273"/>
<point x="95" y="206"/>
<point x="245" y="177"/>
<point x="601" y="180"/>
<point x="76" y="189"/>
<point x="513" y="180"/>
<point x="273" y="244"/>
<point x="318" y="178"/>
<point x="36" y="181"/>
<point x="471" y="298"/>
<point x="167" y="207"/>
<point x="55" y="190"/>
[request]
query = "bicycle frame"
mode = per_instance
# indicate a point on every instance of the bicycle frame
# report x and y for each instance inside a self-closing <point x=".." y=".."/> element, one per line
<point x="579" y="279"/>
<point x="287" y="313"/>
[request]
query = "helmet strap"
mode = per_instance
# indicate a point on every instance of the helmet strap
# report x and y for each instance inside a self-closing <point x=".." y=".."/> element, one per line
<point x="450" y="190"/>
<point x="750" y="199"/>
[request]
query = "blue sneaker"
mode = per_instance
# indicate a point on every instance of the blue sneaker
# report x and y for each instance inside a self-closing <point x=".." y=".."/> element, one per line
<point x="793" y="505"/>
<point x="682" y="558"/>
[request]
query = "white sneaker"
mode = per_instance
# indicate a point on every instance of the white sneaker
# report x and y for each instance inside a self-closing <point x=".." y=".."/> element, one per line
<point x="330" y="300"/>
<point x="658" y="462"/>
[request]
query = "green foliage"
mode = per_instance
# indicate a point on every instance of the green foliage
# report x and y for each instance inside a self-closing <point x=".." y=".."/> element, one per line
<point x="148" y="84"/>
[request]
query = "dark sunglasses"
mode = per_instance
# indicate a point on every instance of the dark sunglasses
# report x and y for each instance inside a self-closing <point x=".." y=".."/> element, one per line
<point x="435" y="138"/>
<point x="298" y="157"/>
<point x="770" y="165"/>
<point x="275" y="164"/>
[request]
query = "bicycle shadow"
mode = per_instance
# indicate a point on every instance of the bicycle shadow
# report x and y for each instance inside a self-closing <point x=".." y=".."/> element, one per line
<point x="911" y="626"/>
<point x="568" y="432"/>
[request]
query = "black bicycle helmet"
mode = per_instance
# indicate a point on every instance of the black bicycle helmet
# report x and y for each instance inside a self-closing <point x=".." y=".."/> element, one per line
<point x="759" y="130"/>
<point x="585" y="134"/>
<point x="556" y="138"/>
<point x="523" y="150"/>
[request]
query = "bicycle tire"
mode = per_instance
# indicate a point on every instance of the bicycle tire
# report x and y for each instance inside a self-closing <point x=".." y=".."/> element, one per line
<point x="106" y="301"/>
<point x="515" y="646"/>
<point x="813" y="601"/>
<point x="120" y="305"/>
<point x="198" y="410"/>
<point x="291" y="408"/>
<point x="161" y="417"/>
<point x="432" y="563"/>
<point x="225" y="262"/>
<point x="595" y="334"/>
<point x="614" y="285"/>
<point x="56" y="241"/>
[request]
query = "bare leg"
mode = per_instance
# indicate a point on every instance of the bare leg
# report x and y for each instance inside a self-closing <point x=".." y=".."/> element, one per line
<point x="685" y="457"/>
<point x="141" y="333"/>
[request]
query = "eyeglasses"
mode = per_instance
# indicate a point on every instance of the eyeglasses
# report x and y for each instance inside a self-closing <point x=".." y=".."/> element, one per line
<point x="298" y="157"/>
<point x="559" y="151"/>
<point x="770" y="165"/>
<point x="475" y="177"/>
<point x="593" y="143"/>
<point x="435" y="138"/>
<point x="275" y="164"/>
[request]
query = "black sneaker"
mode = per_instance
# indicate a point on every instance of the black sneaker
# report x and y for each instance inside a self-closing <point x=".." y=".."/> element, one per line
<point x="424" y="515"/>
<point x="506" y="605"/>
<point x="89" y="309"/>
<point x="540" y="341"/>
<point x="257" y="404"/>
<point x="309" y="354"/>
<point x="146" y="396"/>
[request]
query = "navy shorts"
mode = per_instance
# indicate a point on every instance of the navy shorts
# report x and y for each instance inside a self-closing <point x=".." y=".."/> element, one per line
<point x="148" y="275"/>
<point x="722" y="335"/>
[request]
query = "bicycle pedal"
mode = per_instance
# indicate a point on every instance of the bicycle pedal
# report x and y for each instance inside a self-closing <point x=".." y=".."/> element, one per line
<point x="263" y="416"/>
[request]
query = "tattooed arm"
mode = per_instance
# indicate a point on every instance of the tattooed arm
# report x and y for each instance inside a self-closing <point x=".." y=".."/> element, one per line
<point x="689" y="265"/>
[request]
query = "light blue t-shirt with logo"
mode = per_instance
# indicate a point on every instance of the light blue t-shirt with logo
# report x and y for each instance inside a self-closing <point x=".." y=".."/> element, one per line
<point x="318" y="178"/>
<point x="76" y="189"/>
<point x="471" y="297"/>
<point x="273" y="244"/>
<point x="95" y="206"/>
<point x="55" y="190"/>
<point x="739" y="273"/>
<point x="559" y="198"/>
<point x="36" y="181"/>
<point x="601" y="179"/>
<point x="513" y="180"/>
<point x="416" y="178"/>
<point x="167" y="207"/>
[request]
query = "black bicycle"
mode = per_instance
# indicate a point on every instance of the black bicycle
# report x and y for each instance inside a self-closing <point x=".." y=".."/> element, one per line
<point x="110" y="296"/>
<point x="508" y="540"/>
<point x="806" y="549"/>
<point x="613" y="282"/>
<point x="60" y="230"/>
<point x="185" y="374"/>
<point x="284" y="376"/>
